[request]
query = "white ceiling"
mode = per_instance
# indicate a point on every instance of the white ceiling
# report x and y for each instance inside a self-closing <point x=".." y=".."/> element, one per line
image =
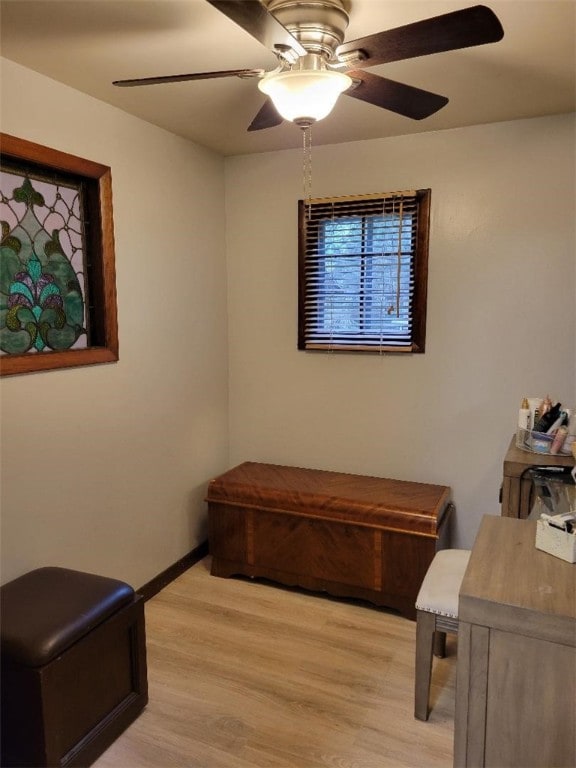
<point x="89" y="43"/>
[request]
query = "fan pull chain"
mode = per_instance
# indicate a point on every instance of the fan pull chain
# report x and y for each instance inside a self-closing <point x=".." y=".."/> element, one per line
<point x="331" y="305"/>
<point x="399" y="262"/>
<point x="383" y="290"/>
<point x="307" y="168"/>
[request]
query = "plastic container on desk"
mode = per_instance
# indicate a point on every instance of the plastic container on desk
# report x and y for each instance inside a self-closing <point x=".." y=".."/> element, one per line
<point x="537" y="442"/>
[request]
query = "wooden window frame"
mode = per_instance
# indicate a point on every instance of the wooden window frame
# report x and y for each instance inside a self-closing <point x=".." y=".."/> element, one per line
<point x="102" y="306"/>
<point x="420" y="271"/>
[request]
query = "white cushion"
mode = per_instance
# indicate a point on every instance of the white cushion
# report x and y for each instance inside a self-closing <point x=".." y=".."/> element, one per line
<point x="441" y="585"/>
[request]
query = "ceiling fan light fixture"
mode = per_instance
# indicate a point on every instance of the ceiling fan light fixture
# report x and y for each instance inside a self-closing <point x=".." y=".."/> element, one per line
<point x="304" y="96"/>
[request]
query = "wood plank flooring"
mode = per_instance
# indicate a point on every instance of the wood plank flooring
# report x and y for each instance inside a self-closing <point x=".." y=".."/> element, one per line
<point x="244" y="674"/>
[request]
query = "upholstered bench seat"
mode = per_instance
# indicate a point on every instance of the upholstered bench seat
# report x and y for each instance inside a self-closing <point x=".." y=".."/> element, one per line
<point x="439" y="591"/>
<point x="73" y="666"/>
<point x="47" y="610"/>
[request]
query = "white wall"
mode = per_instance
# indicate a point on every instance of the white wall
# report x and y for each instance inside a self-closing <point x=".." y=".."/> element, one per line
<point x="104" y="468"/>
<point x="501" y="310"/>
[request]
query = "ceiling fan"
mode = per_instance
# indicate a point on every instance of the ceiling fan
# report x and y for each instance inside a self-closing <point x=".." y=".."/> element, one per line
<point x="315" y="65"/>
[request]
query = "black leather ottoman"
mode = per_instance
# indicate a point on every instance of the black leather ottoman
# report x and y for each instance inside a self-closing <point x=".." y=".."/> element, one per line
<point x="73" y="666"/>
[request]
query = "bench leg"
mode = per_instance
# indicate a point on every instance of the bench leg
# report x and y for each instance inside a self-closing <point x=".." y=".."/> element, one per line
<point x="425" y="630"/>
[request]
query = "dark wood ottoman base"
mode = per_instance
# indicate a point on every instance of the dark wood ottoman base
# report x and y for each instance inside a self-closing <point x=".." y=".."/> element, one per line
<point x="73" y="666"/>
<point x="347" y="535"/>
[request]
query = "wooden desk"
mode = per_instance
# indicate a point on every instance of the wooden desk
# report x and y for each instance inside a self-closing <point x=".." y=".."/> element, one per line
<point x="516" y="678"/>
<point x="516" y="485"/>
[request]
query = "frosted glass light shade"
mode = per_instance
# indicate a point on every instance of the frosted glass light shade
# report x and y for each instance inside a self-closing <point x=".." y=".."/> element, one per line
<point x="304" y="95"/>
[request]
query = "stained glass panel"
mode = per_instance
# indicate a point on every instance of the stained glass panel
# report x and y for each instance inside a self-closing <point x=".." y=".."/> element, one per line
<point x="42" y="264"/>
<point x="57" y="272"/>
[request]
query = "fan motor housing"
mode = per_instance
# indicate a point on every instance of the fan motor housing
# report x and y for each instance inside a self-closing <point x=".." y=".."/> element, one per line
<point x="319" y="25"/>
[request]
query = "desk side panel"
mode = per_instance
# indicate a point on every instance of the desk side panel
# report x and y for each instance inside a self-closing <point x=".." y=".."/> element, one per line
<point x="530" y="706"/>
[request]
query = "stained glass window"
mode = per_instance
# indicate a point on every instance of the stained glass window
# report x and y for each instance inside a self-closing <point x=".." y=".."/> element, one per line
<point x="43" y="270"/>
<point x="57" y="276"/>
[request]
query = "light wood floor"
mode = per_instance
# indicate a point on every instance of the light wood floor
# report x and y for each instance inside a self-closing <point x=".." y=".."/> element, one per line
<point x="250" y="675"/>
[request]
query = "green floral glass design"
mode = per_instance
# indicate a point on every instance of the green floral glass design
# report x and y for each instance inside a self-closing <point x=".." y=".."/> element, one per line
<point x="42" y="284"/>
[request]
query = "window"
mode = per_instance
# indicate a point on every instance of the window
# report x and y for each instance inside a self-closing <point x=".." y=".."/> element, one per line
<point x="57" y="276"/>
<point x="363" y="267"/>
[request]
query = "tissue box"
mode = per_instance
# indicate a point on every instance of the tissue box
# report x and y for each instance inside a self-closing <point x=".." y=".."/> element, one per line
<point x="556" y="542"/>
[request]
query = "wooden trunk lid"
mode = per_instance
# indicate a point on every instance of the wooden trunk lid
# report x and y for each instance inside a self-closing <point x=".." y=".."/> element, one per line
<point x="372" y="501"/>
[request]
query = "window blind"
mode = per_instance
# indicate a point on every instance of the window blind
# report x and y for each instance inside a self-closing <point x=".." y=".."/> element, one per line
<point x="362" y="268"/>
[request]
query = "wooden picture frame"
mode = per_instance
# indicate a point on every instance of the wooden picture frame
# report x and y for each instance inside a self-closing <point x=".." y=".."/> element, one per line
<point x="97" y="297"/>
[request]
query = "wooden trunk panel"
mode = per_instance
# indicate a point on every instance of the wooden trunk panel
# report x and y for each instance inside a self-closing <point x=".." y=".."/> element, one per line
<point x="227" y="531"/>
<point x="319" y="548"/>
<point x="405" y="560"/>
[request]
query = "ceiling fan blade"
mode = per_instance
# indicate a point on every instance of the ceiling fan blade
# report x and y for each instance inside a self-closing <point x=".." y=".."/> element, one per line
<point x="185" y="78"/>
<point x="258" y="22"/>
<point x="267" y="117"/>
<point x="397" y="97"/>
<point x="459" y="29"/>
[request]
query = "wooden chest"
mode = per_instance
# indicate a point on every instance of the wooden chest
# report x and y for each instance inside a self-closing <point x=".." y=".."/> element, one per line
<point x="348" y="535"/>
